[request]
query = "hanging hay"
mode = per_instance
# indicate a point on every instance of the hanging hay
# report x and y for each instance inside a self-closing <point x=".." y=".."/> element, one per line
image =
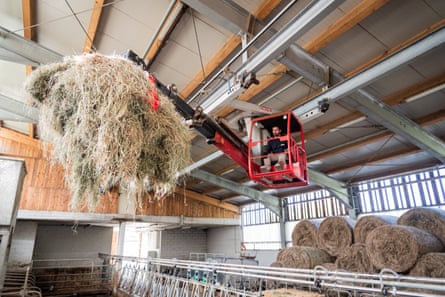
<point x="355" y="259"/>
<point x="305" y="233"/>
<point x="304" y="257"/>
<point x="335" y="234"/>
<point x="430" y="265"/>
<point x="429" y="219"/>
<point x="97" y="113"/>
<point x="398" y="247"/>
<point x="368" y="223"/>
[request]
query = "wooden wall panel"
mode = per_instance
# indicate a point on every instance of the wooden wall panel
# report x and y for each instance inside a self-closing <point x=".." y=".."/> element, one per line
<point x="177" y="205"/>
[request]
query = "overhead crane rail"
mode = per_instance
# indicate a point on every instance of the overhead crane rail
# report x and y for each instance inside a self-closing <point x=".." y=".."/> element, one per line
<point x="181" y="278"/>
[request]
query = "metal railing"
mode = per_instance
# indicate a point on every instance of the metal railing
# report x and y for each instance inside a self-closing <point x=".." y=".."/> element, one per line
<point x="177" y="278"/>
<point x="72" y="276"/>
<point x="20" y="283"/>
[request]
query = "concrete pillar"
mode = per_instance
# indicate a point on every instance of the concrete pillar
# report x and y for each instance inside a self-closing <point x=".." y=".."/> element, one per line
<point x="121" y="239"/>
<point x="12" y="173"/>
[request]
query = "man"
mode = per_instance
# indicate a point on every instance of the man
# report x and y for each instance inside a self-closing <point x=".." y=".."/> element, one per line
<point x="277" y="148"/>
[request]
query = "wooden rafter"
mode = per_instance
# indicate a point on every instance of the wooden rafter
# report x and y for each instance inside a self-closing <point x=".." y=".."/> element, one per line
<point x="206" y="199"/>
<point x="28" y="11"/>
<point x="88" y="45"/>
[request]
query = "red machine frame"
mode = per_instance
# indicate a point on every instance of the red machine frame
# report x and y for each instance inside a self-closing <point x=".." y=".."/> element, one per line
<point x="294" y="173"/>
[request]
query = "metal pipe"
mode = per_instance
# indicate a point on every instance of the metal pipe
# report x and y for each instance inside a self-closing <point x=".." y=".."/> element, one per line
<point x="161" y="25"/>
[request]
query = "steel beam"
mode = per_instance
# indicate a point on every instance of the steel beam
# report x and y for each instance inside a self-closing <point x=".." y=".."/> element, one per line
<point x="337" y="188"/>
<point x="270" y="201"/>
<point x="304" y="64"/>
<point x="275" y="46"/>
<point x="28" y="50"/>
<point x="377" y="109"/>
<point x="6" y="55"/>
<point x="83" y="218"/>
<point x="375" y="72"/>
<point x="225" y="14"/>
<point x="15" y="110"/>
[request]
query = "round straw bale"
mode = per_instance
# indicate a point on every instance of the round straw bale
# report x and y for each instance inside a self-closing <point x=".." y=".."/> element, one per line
<point x="429" y="219"/>
<point x="276" y="264"/>
<point x="354" y="258"/>
<point x="305" y="257"/>
<point x="98" y="114"/>
<point x="305" y="233"/>
<point x="288" y="292"/>
<point x="430" y="265"/>
<point x="398" y="247"/>
<point x="329" y="266"/>
<point x="335" y="234"/>
<point x="368" y="223"/>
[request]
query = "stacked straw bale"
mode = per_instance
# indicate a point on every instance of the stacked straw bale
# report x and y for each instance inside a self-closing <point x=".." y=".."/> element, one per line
<point x="430" y="265"/>
<point x="335" y="234"/>
<point x="96" y="112"/>
<point x="398" y="247"/>
<point x="304" y="257"/>
<point x="428" y="219"/>
<point x="368" y="223"/>
<point x="411" y="243"/>
<point x="355" y="258"/>
<point x="305" y="233"/>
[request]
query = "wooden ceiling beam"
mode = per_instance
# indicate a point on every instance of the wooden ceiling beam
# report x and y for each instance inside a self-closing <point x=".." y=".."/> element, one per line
<point x="391" y="51"/>
<point x="88" y="45"/>
<point x="29" y="32"/>
<point x="206" y="199"/>
<point x="344" y="24"/>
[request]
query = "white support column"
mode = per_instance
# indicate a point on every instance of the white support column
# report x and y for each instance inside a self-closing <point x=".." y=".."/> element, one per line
<point x="12" y="173"/>
<point x="121" y="239"/>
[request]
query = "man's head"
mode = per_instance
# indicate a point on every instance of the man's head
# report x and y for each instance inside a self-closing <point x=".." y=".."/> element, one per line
<point x="276" y="131"/>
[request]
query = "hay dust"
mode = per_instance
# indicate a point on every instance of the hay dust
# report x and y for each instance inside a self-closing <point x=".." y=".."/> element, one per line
<point x="96" y="113"/>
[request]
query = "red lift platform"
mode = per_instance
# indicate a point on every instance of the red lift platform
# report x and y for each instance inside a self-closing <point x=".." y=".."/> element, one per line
<point x="294" y="173"/>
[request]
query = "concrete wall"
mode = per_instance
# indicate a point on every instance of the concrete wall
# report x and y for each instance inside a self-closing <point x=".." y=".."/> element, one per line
<point x="224" y="240"/>
<point x="67" y="242"/>
<point x="179" y="243"/>
<point x="22" y="244"/>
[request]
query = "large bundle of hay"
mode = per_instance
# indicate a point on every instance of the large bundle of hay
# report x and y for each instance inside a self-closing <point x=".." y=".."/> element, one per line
<point x="398" y="247"/>
<point x="304" y="257"/>
<point x="305" y="233"/>
<point x="430" y="265"/>
<point x="355" y="259"/>
<point x="429" y="219"/>
<point x="97" y="113"/>
<point x="368" y="223"/>
<point x="335" y="234"/>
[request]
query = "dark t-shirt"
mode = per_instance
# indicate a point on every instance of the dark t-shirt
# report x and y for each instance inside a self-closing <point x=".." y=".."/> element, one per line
<point x="275" y="145"/>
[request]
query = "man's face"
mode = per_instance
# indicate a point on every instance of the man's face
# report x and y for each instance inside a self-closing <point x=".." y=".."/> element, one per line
<point x="276" y="131"/>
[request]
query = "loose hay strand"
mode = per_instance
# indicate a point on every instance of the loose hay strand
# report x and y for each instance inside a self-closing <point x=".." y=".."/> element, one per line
<point x="95" y="110"/>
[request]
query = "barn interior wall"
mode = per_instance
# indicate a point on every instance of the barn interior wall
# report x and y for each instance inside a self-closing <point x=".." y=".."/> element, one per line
<point x="224" y="240"/>
<point x="22" y="243"/>
<point x="71" y="242"/>
<point x="179" y="243"/>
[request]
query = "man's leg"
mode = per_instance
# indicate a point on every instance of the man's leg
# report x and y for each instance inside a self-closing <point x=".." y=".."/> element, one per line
<point x="267" y="163"/>
<point x="282" y="160"/>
